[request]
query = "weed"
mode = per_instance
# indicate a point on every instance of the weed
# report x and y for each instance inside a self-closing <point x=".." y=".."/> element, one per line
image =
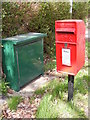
<point x="3" y="87"/>
<point x="40" y="91"/>
<point x="32" y="99"/>
<point x="14" y="101"/>
<point x="50" y="65"/>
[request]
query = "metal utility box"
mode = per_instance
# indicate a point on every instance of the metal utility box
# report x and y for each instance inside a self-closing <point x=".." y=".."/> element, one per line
<point x="70" y="45"/>
<point x="22" y="58"/>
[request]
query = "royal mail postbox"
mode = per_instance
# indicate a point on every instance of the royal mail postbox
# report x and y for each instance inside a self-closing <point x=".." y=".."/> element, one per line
<point x="70" y="45"/>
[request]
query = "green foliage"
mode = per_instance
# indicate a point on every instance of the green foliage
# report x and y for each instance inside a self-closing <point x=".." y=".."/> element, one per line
<point x="59" y="89"/>
<point x="55" y="87"/>
<point x="50" y="65"/>
<point x="3" y="87"/>
<point x="59" y="109"/>
<point x="40" y="91"/>
<point x="14" y="101"/>
<point x="88" y="7"/>
<point x="32" y="99"/>
<point x="82" y="85"/>
<point x="88" y="51"/>
<point x="47" y="109"/>
<point x="80" y="10"/>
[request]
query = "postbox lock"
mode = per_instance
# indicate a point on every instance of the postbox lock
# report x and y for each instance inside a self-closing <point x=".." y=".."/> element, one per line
<point x="65" y="45"/>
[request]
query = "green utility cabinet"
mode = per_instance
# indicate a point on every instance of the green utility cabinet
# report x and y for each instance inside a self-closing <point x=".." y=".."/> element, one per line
<point x="22" y="58"/>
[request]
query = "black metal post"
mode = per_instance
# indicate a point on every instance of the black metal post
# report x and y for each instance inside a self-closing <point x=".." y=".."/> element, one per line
<point x="70" y="87"/>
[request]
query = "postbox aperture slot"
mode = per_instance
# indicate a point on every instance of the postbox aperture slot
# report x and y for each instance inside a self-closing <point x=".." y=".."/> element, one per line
<point x="65" y="30"/>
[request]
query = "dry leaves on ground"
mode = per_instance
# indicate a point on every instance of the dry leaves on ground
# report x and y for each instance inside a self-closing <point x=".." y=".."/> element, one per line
<point x="24" y="110"/>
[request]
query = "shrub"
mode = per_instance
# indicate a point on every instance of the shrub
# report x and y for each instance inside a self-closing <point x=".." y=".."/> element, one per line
<point x="23" y="17"/>
<point x="80" y="10"/>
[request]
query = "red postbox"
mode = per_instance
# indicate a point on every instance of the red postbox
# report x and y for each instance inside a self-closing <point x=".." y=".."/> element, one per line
<point x="70" y="45"/>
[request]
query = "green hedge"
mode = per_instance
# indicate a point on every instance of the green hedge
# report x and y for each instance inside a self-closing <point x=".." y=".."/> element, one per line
<point x="80" y="10"/>
<point x="21" y="18"/>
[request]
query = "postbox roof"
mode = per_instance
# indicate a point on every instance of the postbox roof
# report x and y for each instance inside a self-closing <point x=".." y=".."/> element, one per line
<point x="69" y="20"/>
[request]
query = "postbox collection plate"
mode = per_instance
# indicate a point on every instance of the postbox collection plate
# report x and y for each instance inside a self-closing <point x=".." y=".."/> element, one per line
<point x="66" y="57"/>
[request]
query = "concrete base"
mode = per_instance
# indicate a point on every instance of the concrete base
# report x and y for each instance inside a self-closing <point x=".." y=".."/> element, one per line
<point x="31" y="87"/>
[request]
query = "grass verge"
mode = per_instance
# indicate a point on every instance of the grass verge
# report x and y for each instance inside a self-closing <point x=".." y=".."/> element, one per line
<point x="54" y="103"/>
